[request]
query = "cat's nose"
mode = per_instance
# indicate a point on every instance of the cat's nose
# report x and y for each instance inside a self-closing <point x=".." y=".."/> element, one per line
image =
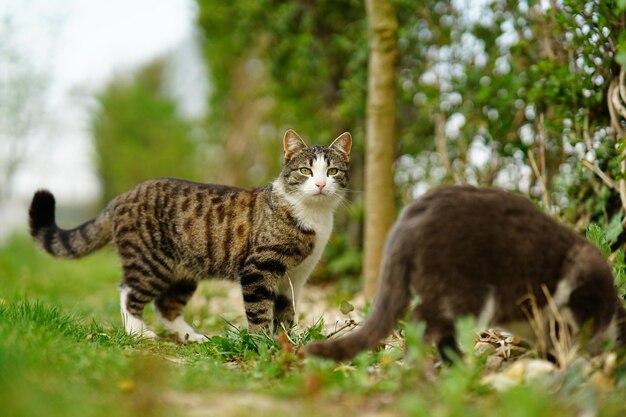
<point x="320" y="185"/>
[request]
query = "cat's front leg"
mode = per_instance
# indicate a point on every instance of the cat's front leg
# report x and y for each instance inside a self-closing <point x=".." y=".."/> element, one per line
<point x="259" y="306"/>
<point x="259" y="285"/>
<point x="289" y="289"/>
<point x="284" y="312"/>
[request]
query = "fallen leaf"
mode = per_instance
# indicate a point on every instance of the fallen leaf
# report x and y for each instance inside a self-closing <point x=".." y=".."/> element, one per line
<point x="126" y="385"/>
<point x="346" y="307"/>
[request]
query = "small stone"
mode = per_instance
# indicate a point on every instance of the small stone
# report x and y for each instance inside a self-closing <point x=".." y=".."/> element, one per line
<point x="515" y="340"/>
<point x="602" y="382"/>
<point x="515" y="371"/>
<point x="481" y="348"/>
<point x="537" y="368"/>
<point x="499" y="382"/>
<point x="494" y="362"/>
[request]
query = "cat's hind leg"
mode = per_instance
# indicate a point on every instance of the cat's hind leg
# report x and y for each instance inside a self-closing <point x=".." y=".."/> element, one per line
<point x="169" y="306"/>
<point x="131" y="307"/>
<point x="439" y="330"/>
<point x="143" y="281"/>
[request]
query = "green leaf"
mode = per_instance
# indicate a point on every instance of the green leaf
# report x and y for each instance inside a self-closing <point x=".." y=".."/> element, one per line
<point x="596" y="235"/>
<point x="618" y="267"/>
<point x="614" y="229"/>
<point x="620" y="58"/>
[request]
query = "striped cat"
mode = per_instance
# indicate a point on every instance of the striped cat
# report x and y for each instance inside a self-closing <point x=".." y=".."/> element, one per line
<point x="172" y="233"/>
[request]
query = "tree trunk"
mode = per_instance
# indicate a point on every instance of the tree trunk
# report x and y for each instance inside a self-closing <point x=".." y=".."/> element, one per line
<point x="380" y="137"/>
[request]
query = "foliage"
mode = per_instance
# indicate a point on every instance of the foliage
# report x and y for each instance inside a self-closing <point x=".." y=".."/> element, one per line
<point x="305" y="67"/>
<point x="604" y="239"/>
<point x="23" y="92"/>
<point x="498" y="93"/>
<point x="139" y="134"/>
<point x="26" y="272"/>
<point x="314" y="58"/>
<point x="486" y="89"/>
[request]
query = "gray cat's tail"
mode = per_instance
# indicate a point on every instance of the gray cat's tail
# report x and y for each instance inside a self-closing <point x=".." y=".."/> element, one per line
<point x="73" y="243"/>
<point x="391" y="302"/>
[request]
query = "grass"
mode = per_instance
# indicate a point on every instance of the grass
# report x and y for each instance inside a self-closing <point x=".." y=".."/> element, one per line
<point x="63" y="353"/>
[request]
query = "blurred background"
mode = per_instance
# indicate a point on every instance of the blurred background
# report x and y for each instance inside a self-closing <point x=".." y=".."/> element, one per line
<point x="98" y="96"/>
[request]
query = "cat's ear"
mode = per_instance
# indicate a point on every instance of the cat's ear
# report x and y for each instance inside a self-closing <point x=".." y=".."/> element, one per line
<point x="342" y="144"/>
<point x="292" y="143"/>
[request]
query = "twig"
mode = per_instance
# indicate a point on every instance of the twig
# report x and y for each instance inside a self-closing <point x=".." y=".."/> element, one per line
<point x="533" y="164"/>
<point x="564" y="346"/>
<point x="586" y="135"/>
<point x="596" y="170"/>
<point x="622" y="85"/>
<point x="615" y="123"/>
<point x="540" y="170"/>
<point x="293" y="295"/>
<point x="622" y="184"/>
<point x="349" y="323"/>
<point x="542" y="159"/>
<point x="535" y="168"/>
<point x="617" y="102"/>
<point x="536" y="322"/>
<point x="442" y="147"/>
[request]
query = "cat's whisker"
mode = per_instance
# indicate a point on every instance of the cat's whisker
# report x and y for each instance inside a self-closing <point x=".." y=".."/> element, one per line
<point x="344" y="202"/>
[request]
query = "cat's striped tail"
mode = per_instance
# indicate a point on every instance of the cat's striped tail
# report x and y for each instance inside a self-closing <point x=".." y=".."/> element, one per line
<point x="73" y="243"/>
<point x="391" y="302"/>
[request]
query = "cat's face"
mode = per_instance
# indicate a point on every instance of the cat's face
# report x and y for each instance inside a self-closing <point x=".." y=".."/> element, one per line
<point x="316" y="174"/>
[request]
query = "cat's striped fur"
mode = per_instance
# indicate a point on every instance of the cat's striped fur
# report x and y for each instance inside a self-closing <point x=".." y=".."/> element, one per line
<point x="172" y="233"/>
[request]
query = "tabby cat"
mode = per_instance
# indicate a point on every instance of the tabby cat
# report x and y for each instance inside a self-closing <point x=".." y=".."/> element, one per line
<point x="485" y="253"/>
<point x="172" y="233"/>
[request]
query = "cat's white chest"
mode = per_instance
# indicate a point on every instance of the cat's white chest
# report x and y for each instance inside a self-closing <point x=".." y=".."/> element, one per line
<point x="311" y="215"/>
<point x="322" y="224"/>
<point x="323" y="227"/>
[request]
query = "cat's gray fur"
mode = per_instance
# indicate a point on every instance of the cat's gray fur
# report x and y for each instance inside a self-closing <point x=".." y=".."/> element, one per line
<point x="485" y="253"/>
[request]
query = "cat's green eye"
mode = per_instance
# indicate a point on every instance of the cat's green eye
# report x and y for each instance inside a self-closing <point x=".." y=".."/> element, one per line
<point x="306" y="171"/>
<point x="332" y="171"/>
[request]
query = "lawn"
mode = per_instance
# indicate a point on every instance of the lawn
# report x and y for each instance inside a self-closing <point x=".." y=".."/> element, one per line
<point x="63" y="353"/>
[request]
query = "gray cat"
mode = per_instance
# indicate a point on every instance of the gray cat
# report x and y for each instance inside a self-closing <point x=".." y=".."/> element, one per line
<point x="171" y="233"/>
<point x="485" y="253"/>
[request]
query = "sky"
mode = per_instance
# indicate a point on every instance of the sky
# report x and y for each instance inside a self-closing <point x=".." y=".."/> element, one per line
<point x="79" y="45"/>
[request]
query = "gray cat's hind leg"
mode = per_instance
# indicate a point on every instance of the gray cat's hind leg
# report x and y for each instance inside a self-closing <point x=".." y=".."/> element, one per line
<point x="440" y="331"/>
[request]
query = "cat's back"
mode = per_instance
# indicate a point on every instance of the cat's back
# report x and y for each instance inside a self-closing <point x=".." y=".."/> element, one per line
<point x="486" y="232"/>
<point x="482" y="211"/>
<point x="479" y="202"/>
<point x="206" y="229"/>
<point x="181" y="216"/>
<point x="171" y="195"/>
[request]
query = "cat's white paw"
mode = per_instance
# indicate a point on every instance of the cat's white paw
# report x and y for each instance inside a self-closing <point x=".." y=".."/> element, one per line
<point x="139" y="329"/>
<point x="192" y="338"/>
<point x="133" y="325"/>
<point x="148" y="334"/>
<point x="179" y="327"/>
